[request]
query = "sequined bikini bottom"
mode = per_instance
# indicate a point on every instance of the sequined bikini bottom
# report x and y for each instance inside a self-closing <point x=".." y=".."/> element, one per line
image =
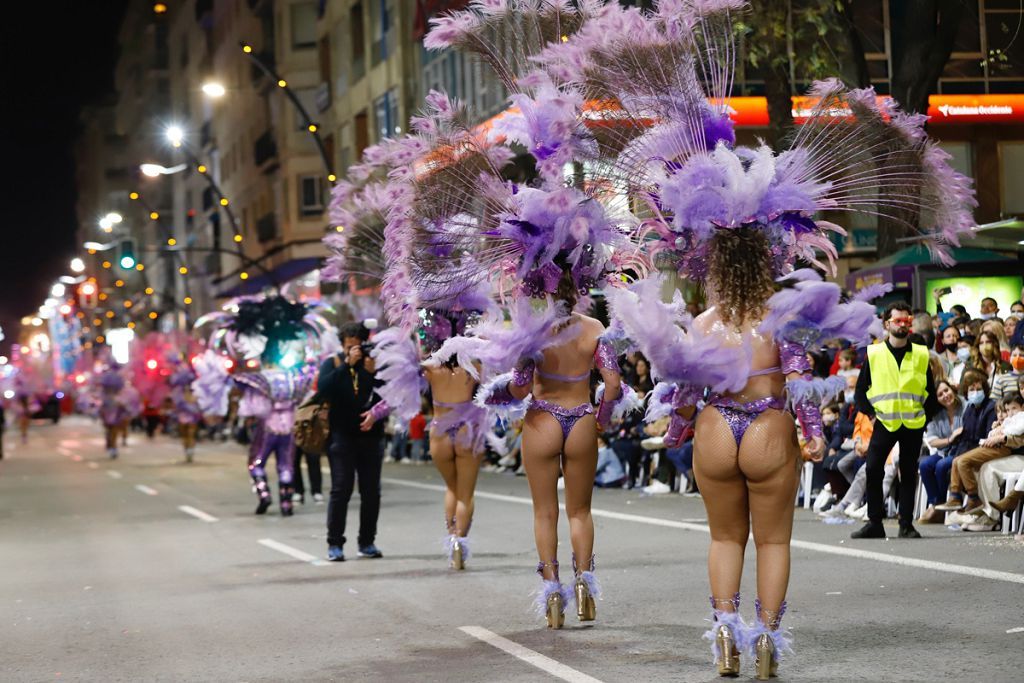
<point x="740" y="416"/>
<point x="567" y="417"/>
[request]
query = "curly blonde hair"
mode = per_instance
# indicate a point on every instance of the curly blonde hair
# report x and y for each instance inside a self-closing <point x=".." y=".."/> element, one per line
<point x="740" y="274"/>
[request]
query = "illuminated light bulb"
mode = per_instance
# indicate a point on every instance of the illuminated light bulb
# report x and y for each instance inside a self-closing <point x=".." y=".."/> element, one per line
<point x="312" y="127"/>
<point x="92" y="252"/>
<point x="244" y="275"/>
<point x="139" y="267"/>
<point x="188" y="300"/>
<point x="110" y="314"/>
<point x="149" y="290"/>
<point x="151" y="364"/>
<point x="238" y="238"/>
<point x="106" y="264"/>
<point x="103" y="296"/>
<point x="247" y="49"/>
<point x="133" y="196"/>
<point x="183" y="270"/>
<point x="152" y="315"/>
<point x="100" y="339"/>
<point x="153" y="215"/>
<point x="228" y="363"/>
<point x="339" y="228"/>
<point x="171" y="241"/>
<point x="282" y="83"/>
<point x="128" y="304"/>
<point x="223" y="201"/>
<point x="65" y="310"/>
<point x="201" y="168"/>
<point x="97" y="322"/>
<point x="119" y="283"/>
<point x="331" y="177"/>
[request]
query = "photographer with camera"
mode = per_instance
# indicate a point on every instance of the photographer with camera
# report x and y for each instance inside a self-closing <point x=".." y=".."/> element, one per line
<point x="356" y="451"/>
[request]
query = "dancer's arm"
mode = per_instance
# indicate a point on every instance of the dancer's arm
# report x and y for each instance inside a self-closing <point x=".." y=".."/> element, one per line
<point x="795" y="365"/>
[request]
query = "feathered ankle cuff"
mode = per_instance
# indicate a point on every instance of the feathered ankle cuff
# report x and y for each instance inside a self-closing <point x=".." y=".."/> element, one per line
<point x="449" y="546"/>
<point x="593" y="585"/>
<point x="548" y="588"/>
<point x="736" y="625"/>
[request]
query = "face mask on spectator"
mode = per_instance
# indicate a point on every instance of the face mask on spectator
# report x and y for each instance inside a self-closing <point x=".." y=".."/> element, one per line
<point x="828" y="418"/>
<point x="975" y="398"/>
<point x="987" y="316"/>
<point x="963" y="355"/>
<point x="848" y="395"/>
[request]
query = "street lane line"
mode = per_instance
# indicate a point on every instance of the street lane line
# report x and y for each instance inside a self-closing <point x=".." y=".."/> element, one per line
<point x="198" y="514"/>
<point x="114" y="474"/>
<point x="1019" y="629"/>
<point x="542" y="662"/>
<point x="977" y="572"/>
<point x="145" y="489"/>
<point x="292" y="552"/>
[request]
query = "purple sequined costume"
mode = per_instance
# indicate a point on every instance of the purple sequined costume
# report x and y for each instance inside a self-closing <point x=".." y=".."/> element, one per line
<point x="272" y="396"/>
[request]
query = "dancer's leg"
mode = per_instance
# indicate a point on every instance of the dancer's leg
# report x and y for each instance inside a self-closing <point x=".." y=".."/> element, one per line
<point x="467" y="467"/>
<point x="579" y="465"/>
<point x="442" y="452"/>
<point x="724" y="492"/>
<point x="542" y="444"/>
<point x="769" y="459"/>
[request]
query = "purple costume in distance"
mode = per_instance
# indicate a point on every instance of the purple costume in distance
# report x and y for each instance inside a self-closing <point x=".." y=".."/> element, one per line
<point x="272" y="395"/>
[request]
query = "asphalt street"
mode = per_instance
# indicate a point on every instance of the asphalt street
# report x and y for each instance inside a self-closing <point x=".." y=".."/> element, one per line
<point x="148" y="569"/>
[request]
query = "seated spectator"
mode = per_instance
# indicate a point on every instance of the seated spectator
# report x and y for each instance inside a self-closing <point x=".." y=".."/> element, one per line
<point x="990" y="477"/>
<point x="610" y="472"/>
<point x="1006" y="383"/>
<point x="986" y="356"/>
<point x="863" y="426"/>
<point x="847" y="359"/>
<point x="841" y="443"/>
<point x="977" y="423"/>
<point x="939" y="436"/>
<point x="852" y="504"/>
<point x="964" y="480"/>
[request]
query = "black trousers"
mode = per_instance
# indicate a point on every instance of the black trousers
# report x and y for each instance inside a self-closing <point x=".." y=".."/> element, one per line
<point x="354" y="457"/>
<point x="316" y="477"/>
<point x="882" y="441"/>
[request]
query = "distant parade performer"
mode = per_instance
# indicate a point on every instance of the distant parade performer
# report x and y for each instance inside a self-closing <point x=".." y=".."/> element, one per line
<point x="284" y="341"/>
<point x="187" y="411"/>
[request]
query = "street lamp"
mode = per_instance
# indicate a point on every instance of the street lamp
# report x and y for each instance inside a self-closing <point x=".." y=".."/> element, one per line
<point x="156" y="170"/>
<point x="213" y="89"/>
<point x="108" y="222"/>
<point x="57" y="290"/>
<point x="175" y="135"/>
<point x="77" y="265"/>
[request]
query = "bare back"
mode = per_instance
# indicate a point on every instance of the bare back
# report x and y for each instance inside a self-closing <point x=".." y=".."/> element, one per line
<point x="450" y="385"/>
<point x="765" y="353"/>
<point x="573" y="359"/>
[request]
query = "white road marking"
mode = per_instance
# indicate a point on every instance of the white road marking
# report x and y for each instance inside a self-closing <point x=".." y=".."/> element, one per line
<point x="145" y="489"/>
<point x="198" y="514"/>
<point x="977" y="572"/>
<point x="114" y="474"/>
<point x="1019" y="629"/>
<point x="542" y="662"/>
<point x="94" y="466"/>
<point x="292" y="552"/>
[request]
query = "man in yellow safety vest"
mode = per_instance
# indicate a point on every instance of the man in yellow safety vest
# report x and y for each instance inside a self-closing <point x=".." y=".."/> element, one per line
<point x="896" y="389"/>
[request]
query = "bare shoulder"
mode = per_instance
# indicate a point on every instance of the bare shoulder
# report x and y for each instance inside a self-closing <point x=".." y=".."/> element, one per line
<point x="707" y="321"/>
<point x="592" y="327"/>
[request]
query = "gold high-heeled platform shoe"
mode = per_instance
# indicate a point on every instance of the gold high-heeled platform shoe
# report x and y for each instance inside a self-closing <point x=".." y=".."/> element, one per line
<point x="556" y="611"/>
<point x="728" y="654"/>
<point x="765" y="664"/>
<point x="458" y="558"/>
<point x="586" y="607"/>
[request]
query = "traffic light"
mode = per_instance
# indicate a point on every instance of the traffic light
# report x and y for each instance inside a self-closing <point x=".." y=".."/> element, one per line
<point x="87" y="294"/>
<point x="127" y="254"/>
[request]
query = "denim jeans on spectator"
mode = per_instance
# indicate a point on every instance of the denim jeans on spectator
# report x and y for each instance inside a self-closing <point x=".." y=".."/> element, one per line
<point x="681" y="457"/>
<point x="316" y="477"/>
<point x="630" y="452"/>
<point x="354" y="457"/>
<point x="418" y="450"/>
<point x="943" y="472"/>
<point x="933" y="485"/>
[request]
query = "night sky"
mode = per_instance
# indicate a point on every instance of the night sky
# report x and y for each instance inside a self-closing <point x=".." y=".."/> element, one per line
<point x="57" y="56"/>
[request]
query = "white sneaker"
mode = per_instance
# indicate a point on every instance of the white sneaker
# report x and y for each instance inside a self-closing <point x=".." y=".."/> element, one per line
<point x="982" y="523"/>
<point x="823" y="499"/>
<point x="833" y="512"/>
<point x="656" y="487"/>
<point x="858" y="513"/>
<point x="296" y="497"/>
<point x="318" y="498"/>
<point x="961" y="519"/>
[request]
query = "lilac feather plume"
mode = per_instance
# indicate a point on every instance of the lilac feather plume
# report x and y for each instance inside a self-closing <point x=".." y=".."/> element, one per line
<point x="398" y="366"/>
<point x="212" y="384"/>
<point x="810" y="313"/>
<point x="678" y="351"/>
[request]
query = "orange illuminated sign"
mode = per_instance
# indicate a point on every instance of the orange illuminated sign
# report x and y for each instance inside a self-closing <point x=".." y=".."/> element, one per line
<point x="947" y="109"/>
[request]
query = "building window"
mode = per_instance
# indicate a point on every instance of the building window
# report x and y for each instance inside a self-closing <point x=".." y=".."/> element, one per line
<point x="381" y="32"/>
<point x="311" y="195"/>
<point x="307" y="97"/>
<point x="303" y="25"/>
<point x="355" y="27"/>
<point x="385" y="112"/>
<point x="1011" y="170"/>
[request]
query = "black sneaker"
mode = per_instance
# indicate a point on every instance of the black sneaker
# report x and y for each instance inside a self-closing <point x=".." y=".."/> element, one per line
<point x="908" y="531"/>
<point x="371" y="551"/>
<point x="870" y="530"/>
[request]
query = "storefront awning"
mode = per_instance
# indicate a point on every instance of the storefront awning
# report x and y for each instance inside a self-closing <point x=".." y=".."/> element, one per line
<point x="282" y="274"/>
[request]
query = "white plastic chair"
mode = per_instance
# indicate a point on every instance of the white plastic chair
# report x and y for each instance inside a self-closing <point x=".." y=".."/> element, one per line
<point x="1012" y="519"/>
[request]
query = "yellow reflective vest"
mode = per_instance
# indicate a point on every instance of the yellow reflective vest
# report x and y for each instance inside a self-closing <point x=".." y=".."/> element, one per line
<point x="897" y="392"/>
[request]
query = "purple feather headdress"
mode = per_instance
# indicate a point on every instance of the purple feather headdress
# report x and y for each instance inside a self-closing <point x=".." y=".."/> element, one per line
<point x="810" y="313"/>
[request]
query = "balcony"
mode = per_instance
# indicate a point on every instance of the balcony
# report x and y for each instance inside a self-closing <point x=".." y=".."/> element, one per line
<point x="265" y="149"/>
<point x="266" y="227"/>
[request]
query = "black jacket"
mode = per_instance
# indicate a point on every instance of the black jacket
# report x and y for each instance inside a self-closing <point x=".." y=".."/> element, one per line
<point x="843" y="429"/>
<point x="337" y="386"/>
<point x="977" y="423"/>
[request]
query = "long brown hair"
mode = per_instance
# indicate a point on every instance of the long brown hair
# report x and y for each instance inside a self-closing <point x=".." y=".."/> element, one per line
<point x="740" y="274"/>
<point x="567" y="290"/>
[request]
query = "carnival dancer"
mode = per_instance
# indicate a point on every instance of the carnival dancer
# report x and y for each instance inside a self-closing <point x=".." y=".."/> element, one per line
<point x="735" y="219"/>
<point x="107" y="399"/>
<point x="284" y="340"/>
<point x="131" y="400"/>
<point x="186" y="408"/>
